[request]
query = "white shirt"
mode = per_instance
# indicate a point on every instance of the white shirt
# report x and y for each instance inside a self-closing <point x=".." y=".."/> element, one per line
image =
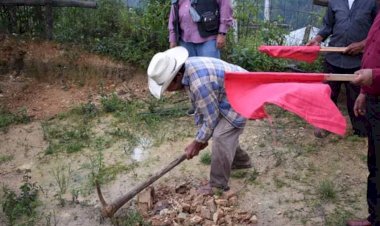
<point x="350" y="2"/>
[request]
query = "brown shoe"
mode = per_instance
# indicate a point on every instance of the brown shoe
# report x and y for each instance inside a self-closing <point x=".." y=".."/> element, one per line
<point x="320" y="133"/>
<point x="362" y="222"/>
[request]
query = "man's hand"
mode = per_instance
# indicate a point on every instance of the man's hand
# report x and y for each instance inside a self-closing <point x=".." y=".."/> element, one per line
<point x="316" y="41"/>
<point x="173" y="44"/>
<point x="359" y="107"/>
<point x="363" y="77"/>
<point x="220" y="41"/>
<point x="355" y="48"/>
<point x="194" y="148"/>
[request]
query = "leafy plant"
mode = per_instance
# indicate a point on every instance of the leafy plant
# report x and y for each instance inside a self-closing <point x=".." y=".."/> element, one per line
<point x="22" y="207"/>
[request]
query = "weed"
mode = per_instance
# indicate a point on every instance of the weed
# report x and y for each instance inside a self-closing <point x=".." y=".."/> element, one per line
<point x="326" y="191"/>
<point x="132" y="218"/>
<point x="206" y="158"/>
<point x="88" y="110"/>
<point x="21" y="208"/>
<point x="112" y="103"/>
<point x="239" y="174"/>
<point x="338" y="218"/>
<point x="7" y="118"/>
<point x="278" y="182"/>
<point x="66" y="138"/>
<point x="5" y="158"/>
<point x="109" y="173"/>
<point x="62" y="176"/>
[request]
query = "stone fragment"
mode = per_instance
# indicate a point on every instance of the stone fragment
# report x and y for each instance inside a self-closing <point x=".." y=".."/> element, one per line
<point x="253" y="219"/>
<point x="233" y="201"/>
<point x="208" y="223"/>
<point x="198" y="201"/>
<point x="195" y="220"/>
<point x="164" y="212"/>
<point x="181" y="188"/>
<point x="205" y="213"/>
<point x="210" y="203"/>
<point x="160" y="205"/>
<point x="228" y="219"/>
<point x="217" y="215"/>
<point x="146" y="197"/>
<point x="229" y="194"/>
<point x="181" y="217"/>
<point x="185" y="207"/>
<point x="221" y="202"/>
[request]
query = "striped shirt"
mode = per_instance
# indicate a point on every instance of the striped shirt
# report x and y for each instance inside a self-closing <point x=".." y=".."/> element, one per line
<point x="204" y="81"/>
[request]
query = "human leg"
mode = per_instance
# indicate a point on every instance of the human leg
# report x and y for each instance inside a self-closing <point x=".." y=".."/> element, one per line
<point x="208" y="49"/>
<point x="225" y="141"/>
<point x="190" y="47"/>
<point x="373" y="186"/>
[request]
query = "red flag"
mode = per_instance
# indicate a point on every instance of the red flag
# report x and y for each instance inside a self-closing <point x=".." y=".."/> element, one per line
<point x="310" y="101"/>
<point x="303" y="53"/>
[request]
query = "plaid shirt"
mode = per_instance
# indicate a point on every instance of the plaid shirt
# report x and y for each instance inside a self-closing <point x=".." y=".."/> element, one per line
<point x="204" y="81"/>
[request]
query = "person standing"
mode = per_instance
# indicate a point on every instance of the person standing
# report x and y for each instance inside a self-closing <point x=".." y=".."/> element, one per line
<point x="368" y="104"/>
<point x="347" y="23"/>
<point x="200" y="25"/>
<point x="203" y="78"/>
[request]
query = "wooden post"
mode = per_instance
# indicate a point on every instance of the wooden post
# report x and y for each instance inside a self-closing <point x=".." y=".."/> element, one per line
<point x="49" y="21"/>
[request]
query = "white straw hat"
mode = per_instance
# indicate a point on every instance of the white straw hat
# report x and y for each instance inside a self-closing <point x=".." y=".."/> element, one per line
<point x="163" y="67"/>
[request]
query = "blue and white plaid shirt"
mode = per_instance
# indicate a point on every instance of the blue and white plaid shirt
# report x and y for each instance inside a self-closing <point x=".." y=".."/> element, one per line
<point x="204" y="81"/>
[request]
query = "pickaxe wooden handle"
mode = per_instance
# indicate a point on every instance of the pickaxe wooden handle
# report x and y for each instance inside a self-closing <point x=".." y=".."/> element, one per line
<point x="108" y="210"/>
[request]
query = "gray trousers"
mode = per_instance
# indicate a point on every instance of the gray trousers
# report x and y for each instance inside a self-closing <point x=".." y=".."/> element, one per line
<point x="225" y="152"/>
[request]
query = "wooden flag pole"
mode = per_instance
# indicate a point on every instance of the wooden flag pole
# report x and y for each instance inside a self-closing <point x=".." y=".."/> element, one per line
<point x="340" y="77"/>
<point x="333" y="49"/>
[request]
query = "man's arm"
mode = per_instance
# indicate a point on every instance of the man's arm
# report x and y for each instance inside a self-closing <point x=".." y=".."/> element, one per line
<point x="355" y="47"/>
<point x="326" y="31"/>
<point x="172" y="34"/>
<point x="226" y="20"/>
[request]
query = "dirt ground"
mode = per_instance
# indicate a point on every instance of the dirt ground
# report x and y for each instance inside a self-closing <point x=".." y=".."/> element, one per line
<point x="297" y="179"/>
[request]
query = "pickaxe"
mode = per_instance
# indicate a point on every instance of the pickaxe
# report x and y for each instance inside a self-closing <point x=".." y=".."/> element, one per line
<point x="108" y="210"/>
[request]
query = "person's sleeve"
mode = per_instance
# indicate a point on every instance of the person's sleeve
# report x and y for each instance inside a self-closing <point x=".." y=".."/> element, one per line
<point x="375" y="78"/>
<point x="226" y="19"/>
<point x="206" y="103"/>
<point x="328" y="23"/>
<point x="172" y="34"/>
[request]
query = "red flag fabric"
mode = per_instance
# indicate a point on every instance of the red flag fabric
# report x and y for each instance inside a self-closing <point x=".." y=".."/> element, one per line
<point x="310" y="101"/>
<point x="302" y="53"/>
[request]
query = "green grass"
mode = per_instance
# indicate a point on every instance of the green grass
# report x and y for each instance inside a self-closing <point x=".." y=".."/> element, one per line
<point x="7" y="118"/>
<point x="338" y="218"/>
<point x="5" y="158"/>
<point x="326" y="191"/>
<point x="205" y="158"/>
<point x="68" y="138"/>
<point x="132" y="217"/>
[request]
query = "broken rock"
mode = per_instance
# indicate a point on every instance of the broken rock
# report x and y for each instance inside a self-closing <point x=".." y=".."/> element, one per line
<point x="205" y="213"/>
<point x="195" y="220"/>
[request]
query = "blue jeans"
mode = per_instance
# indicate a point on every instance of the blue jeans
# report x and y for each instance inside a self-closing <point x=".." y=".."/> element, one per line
<point x="207" y="49"/>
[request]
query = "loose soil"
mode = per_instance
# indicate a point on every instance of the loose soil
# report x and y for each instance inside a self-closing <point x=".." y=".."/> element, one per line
<point x="286" y="187"/>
